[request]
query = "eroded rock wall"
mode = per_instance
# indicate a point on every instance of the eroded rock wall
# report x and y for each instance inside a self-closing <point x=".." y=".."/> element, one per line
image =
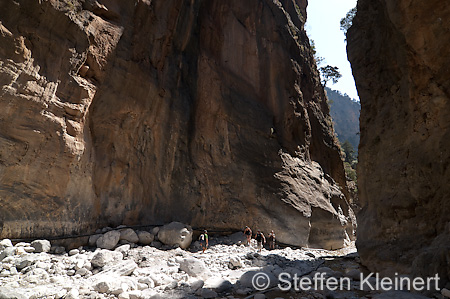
<point x="401" y="62"/>
<point x="143" y="112"/>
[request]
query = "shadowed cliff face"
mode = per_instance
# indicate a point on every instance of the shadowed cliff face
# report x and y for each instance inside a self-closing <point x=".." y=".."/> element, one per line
<point x="205" y="112"/>
<point x="401" y="62"/>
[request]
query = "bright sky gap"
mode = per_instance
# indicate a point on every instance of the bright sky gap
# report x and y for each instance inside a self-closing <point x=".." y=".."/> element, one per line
<point x="323" y="26"/>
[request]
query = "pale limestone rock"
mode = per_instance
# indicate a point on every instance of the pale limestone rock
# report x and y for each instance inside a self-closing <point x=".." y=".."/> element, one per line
<point x="108" y="240"/>
<point x="176" y="233"/>
<point x="41" y="245"/>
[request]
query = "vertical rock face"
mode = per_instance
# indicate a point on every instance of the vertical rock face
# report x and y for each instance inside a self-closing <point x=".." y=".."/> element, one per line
<point x="401" y="62"/>
<point x="205" y="112"/>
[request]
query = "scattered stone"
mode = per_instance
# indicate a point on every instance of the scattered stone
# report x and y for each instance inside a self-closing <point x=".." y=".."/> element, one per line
<point x="197" y="284"/>
<point x="235" y="262"/>
<point x="219" y="284"/>
<point x="6" y="293"/>
<point x="71" y="272"/>
<point x="82" y="271"/>
<point x="155" y="230"/>
<point x="135" y="294"/>
<point x="59" y="250"/>
<point x="171" y="285"/>
<point x="195" y="267"/>
<point x="41" y="245"/>
<point x="93" y="239"/>
<point x="243" y="292"/>
<point x="445" y="292"/>
<point x="8" y="251"/>
<point x="28" y="249"/>
<point x="106" y="284"/>
<point x="74" y="252"/>
<point x="36" y="276"/>
<point x="104" y="257"/>
<point x="206" y="293"/>
<point x="145" y="238"/>
<point x="5" y="243"/>
<point x="109" y="240"/>
<point x="147" y="281"/>
<point x="122" y="268"/>
<point x="129" y="235"/>
<point x="176" y="233"/>
<point x="72" y="294"/>
<point x="142" y="286"/>
<point x="220" y="271"/>
<point x="123" y="249"/>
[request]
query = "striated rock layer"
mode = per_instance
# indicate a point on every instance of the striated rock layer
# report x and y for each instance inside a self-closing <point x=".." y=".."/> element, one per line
<point x="142" y="112"/>
<point x="401" y="62"/>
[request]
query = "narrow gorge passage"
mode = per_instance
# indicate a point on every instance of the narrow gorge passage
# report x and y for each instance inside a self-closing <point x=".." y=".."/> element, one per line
<point x="122" y="118"/>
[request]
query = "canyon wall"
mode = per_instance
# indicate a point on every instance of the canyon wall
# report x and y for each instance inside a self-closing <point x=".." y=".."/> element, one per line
<point x="144" y="112"/>
<point x="401" y="62"/>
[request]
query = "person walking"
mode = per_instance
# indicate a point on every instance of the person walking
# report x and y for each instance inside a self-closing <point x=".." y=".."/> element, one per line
<point x="271" y="238"/>
<point x="248" y="234"/>
<point x="260" y="239"/>
<point x="204" y="240"/>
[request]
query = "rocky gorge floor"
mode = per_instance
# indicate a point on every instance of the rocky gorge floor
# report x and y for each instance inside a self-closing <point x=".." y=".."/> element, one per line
<point x="130" y="271"/>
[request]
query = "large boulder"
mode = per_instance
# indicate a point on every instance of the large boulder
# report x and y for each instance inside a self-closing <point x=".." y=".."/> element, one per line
<point x="145" y="238"/>
<point x="108" y="240"/>
<point x="5" y="243"/>
<point x="129" y="235"/>
<point x="176" y="233"/>
<point x="41" y="246"/>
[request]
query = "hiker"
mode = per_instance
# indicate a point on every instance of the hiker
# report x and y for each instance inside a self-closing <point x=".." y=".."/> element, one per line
<point x="271" y="240"/>
<point x="204" y="240"/>
<point x="248" y="234"/>
<point x="260" y="239"/>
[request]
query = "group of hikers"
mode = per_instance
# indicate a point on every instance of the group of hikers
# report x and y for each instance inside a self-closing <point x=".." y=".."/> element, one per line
<point x="259" y="237"/>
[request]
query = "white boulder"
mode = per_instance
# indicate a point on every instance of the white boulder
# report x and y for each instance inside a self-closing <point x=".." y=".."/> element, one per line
<point x="176" y="233"/>
<point x="195" y="268"/>
<point x="41" y="246"/>
<point x="105" y="257"/>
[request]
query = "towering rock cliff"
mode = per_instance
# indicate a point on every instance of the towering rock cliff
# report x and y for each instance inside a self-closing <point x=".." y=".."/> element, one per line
<point x="401" y="62"/>
<point x="144" y="112"/>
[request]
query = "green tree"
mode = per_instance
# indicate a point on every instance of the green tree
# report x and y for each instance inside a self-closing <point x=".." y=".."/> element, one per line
<point x="317" y="58"/>
<point x="347" y="21"/>
<point x="350" y="172"/>
<point x="348" y="150"/>
<point x="330" y="73"/>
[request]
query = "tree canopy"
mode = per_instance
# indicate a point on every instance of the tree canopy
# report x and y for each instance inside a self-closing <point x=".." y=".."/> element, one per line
<point x="346" y="22"/>
<point x="330" y="73"/>
<point x="348" y="150"/>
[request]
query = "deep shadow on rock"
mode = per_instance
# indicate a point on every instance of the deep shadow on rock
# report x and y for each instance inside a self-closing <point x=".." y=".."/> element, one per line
<point x="401" y="63"/>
